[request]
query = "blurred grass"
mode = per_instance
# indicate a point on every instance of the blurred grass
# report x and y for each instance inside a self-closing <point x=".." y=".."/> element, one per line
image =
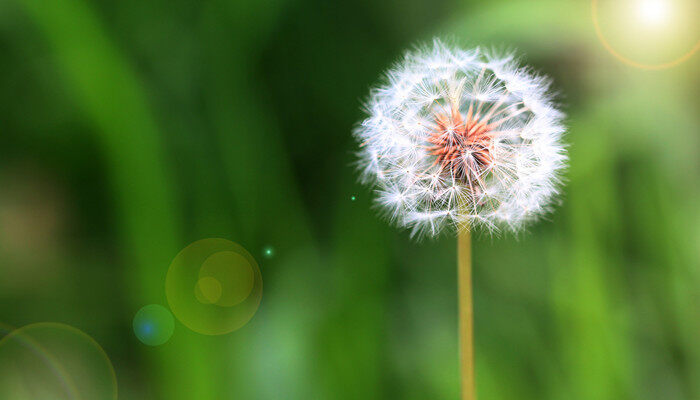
<point x="167" y="122"/>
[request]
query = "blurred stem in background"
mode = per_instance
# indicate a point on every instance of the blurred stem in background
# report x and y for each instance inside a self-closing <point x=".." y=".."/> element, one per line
<point x="107" y="89"/>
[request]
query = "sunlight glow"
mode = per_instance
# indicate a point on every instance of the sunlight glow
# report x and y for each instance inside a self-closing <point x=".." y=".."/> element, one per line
<point x="653" y="12"/>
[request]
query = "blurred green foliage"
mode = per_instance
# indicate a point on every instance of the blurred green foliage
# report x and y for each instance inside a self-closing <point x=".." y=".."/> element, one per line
<point x="133" y="128"/>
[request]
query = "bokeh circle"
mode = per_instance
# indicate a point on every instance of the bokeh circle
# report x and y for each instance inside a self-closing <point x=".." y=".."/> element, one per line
<point x="214" y="286"/>
<point x="154" y="325"/>
<point x="54" y="361"/>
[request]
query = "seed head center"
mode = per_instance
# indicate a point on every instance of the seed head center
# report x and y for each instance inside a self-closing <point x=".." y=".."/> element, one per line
<point x="461" y="144"/>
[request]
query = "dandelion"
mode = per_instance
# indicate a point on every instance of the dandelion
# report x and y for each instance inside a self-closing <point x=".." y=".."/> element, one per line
<point x="460" y="139"/>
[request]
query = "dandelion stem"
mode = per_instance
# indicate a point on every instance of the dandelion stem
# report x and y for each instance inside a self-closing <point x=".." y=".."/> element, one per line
<point x="466" y="313"/>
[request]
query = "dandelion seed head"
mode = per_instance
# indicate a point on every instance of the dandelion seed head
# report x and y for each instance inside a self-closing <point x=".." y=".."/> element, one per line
<point x="459" y="138"/>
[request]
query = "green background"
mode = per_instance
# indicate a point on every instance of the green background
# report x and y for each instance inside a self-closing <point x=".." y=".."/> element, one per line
<point x="130" y="129"/>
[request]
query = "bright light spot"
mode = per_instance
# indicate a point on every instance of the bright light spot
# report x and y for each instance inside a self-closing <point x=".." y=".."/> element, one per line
<point x="653" y="12"/>
<point x="269" y="251"/>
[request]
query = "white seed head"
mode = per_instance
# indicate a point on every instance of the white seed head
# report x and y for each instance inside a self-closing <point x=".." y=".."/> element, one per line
<point x="460" y="138"/>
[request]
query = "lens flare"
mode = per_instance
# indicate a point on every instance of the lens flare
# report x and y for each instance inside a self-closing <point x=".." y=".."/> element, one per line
<point x="208" y="290"/>
<point x="54" y="361"/>
<point x="646" y="34"/>
<point x="154" y="325"/>
<point x="214" y="286"/>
